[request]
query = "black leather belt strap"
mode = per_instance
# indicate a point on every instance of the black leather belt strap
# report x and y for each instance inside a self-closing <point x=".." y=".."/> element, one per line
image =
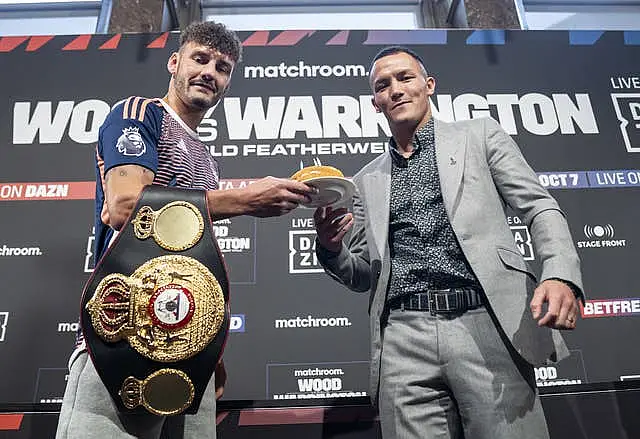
<point x="118" y="361"/>
<point x="449" y="301"/>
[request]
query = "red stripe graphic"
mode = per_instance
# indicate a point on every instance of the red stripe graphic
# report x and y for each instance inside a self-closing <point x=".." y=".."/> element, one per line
<point x="11" y="421"/>
<point x="282" y="416"/>
<point x="290" y="37"/>
<point x="112" y="43"/>
<point x="258" y="38"/>
<point x="339" y="39"/>
<point x="306" y="415"/>
<point x="7" y="44"/>
<point x="221" y="417"/>
<point x="79" y="43"/>
<point x="160" y="42"/>
<point x="37" y="42"/>
<point x="76" y="190"/>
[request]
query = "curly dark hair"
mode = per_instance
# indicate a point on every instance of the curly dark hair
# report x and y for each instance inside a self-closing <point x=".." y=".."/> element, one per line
<point x="214" y="35"/>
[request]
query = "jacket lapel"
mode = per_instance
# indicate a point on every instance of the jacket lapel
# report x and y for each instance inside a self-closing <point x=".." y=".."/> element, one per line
<point x="377" y="187"/>
<point x="451" y="145"/>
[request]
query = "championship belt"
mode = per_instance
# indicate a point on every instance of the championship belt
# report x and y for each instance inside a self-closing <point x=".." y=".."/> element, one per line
<point x="155" y="313"/>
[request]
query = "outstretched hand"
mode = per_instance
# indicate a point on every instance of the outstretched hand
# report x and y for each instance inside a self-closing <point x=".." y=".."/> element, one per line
<point x="271" y="196"/>
<point x="331" y="226"/>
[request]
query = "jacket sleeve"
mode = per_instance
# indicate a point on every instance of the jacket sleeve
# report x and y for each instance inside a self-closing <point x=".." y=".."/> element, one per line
<point x="351" y="266"/>
<point x="519" y="187"/>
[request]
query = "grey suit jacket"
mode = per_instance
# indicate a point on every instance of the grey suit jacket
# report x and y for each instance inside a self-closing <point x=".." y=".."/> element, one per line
<point x="481" y="171"/>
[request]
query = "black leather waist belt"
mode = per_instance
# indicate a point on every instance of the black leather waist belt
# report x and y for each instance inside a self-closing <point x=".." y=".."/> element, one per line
<point x="449" y="301"/>
<point x="155" y="312"/>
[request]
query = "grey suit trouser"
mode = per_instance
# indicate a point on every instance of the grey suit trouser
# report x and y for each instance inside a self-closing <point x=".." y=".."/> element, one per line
<point x="453" y="377"/>
<point x="88" y="412"/>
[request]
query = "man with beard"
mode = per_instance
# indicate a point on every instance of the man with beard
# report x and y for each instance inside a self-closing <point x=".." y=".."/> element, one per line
<point x="456" y="315"/>
<point x="154" y="141"/>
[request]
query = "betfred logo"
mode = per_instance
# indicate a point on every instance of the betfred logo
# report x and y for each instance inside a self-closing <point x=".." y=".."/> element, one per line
<point x="4" y="318"/>
<point x="627" y="106"/>
<point x="610" y="308"/>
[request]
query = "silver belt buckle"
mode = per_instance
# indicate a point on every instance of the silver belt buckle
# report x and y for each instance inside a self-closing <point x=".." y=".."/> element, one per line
<point x="445" y="295"/>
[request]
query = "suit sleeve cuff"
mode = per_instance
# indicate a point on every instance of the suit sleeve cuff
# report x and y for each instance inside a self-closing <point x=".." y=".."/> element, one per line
<point x="325" y="254"/>
<point x="577" y="292"/>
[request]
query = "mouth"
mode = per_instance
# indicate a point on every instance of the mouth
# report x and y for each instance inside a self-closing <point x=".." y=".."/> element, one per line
<point x="399" y="104"/>
<point x="205" y="86"/>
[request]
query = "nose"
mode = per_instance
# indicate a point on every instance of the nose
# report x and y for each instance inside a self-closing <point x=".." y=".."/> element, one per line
<point x="208" y="72"/>
<point x="395" y="90"/>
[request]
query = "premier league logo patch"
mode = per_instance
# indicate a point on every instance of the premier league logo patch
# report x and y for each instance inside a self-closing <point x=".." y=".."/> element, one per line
<point x="130" y="142"/>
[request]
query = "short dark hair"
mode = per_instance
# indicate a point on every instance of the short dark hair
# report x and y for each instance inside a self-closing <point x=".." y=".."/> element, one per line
<point x="391" y="50"/>
<point x="214" y="35"/>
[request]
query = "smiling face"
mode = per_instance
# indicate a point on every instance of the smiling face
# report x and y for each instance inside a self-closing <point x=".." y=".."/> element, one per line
<point x="200" y="75"/>
<point x="401" y="90"/>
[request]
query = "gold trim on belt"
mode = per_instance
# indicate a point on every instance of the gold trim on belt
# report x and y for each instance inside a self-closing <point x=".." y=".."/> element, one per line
<point x="176" y="227"/>
<point x="169" y="309"/>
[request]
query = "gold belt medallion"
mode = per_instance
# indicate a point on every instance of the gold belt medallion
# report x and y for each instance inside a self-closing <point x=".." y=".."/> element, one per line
<point x="168" y="310"/>
<point x="176" y="227"/>
<point x="164" y="392"/>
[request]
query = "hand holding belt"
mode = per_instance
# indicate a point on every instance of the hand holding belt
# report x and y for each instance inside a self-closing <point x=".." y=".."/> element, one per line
<point x="155" y="312"/>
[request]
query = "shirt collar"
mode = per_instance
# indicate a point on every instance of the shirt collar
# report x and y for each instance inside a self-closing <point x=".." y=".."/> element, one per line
<point x="420" y="139"/>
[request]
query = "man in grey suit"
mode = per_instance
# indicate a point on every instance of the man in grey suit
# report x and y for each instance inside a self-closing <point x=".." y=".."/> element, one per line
<point x="457" y="318"/>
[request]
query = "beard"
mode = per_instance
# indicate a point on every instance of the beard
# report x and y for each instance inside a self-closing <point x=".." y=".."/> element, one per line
<point x="195" y="100"/>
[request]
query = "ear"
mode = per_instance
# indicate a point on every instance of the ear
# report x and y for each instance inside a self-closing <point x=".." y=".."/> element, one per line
<point x="172" y="63"/>
<point x="373" y="102"/>
<point x="431" y="85"/>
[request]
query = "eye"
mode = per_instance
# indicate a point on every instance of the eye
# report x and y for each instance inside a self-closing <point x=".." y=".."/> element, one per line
<point x="380" y="86"/>
<point x="200" y="59"/>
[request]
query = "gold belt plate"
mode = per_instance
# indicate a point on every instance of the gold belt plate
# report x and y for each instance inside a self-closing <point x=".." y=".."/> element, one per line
<point x="169" y="309"/>
<point x="165" y="392"/>
<point x="177" y="226"/>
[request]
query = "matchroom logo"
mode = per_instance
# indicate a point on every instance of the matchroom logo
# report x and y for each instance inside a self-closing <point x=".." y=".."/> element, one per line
<point x="313" y="381"/>
<point x="312" y="322"/>
<point x="20" y="251"/>
<point x="627" y="106"/>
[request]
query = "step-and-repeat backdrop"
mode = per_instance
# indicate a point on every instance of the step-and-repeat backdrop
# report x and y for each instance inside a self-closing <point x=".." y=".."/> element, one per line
<point x="570" y="99"/>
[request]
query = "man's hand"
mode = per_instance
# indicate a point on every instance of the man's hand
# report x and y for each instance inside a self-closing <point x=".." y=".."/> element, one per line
<point x="331" y="226"/>
<point x="562" y="309"/>
<point x="272" y="196"/>
<point x="266" y="197"/>
<point x="220" y="378"/>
